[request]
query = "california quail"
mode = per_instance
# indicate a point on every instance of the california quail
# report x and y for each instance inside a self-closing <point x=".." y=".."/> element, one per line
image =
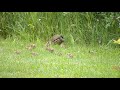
<point x="57" y="39"/>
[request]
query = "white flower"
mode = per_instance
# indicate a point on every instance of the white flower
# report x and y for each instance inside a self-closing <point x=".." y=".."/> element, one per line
<point x="39" y="19"/>
<point x="97" y="20"/>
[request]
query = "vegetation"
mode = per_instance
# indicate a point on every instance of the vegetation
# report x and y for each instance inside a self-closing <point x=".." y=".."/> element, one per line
<point x="77" y="27"/>
<point x="91" y="44"/>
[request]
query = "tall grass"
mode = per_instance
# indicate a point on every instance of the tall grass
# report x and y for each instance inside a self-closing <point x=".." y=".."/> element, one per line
<point x="94" y="28"/>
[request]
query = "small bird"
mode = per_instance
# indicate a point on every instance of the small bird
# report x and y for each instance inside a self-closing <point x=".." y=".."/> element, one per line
<point x="50" y="49"/>
<point x="62" y="45"/>
<point x="31" y="46"/>
<point x="34" y="53"/>
<point x="69" y="55"/>
<point x="57" y="39"/>
<point x="59" y="54"/>
<point x="116" y="68"/>
<point x="17" y="52"/>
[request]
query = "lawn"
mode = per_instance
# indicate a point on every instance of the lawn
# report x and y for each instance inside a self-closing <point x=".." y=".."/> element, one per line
<point x="76" y="61"/>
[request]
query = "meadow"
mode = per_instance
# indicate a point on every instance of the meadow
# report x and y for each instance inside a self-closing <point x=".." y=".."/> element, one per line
<point x="89" y="50"/>
<point x="16" y="61"/>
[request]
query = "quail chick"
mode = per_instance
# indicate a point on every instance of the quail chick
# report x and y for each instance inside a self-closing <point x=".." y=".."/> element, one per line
<point x="17" y="52"/>
<point x="31" y="46"/>
<point x="59" y="54"/>
<point x="50" y="49"/>
<point x="69" y="55"/>
<point x="34" y="53"/>
<point x="116" y="68"/>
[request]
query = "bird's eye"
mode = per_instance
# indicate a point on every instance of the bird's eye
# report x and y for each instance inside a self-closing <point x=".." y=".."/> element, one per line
<point x="61" y="36"/>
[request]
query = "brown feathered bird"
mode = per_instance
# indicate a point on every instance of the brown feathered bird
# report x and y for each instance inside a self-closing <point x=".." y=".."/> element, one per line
<point x="57" y="39"/>
<point x="50" y="49"/>
<point x="17" y="51"/>
<point x="69" y="55"/>
<point x="31" y="46"/>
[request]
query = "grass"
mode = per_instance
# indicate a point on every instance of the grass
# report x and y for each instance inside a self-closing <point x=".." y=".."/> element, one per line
<point x="87" y="61"/>
<point x="84" y="32"/>
<point x="86" y="27"/>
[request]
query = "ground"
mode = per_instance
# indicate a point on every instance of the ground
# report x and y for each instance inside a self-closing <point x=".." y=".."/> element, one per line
<point x="18" y="59"/>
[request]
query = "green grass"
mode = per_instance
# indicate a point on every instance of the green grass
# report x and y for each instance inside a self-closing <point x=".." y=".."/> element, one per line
<point x="88" y="36"/>
<point x="87" y="61"/>
<point x="86" y="27"/>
